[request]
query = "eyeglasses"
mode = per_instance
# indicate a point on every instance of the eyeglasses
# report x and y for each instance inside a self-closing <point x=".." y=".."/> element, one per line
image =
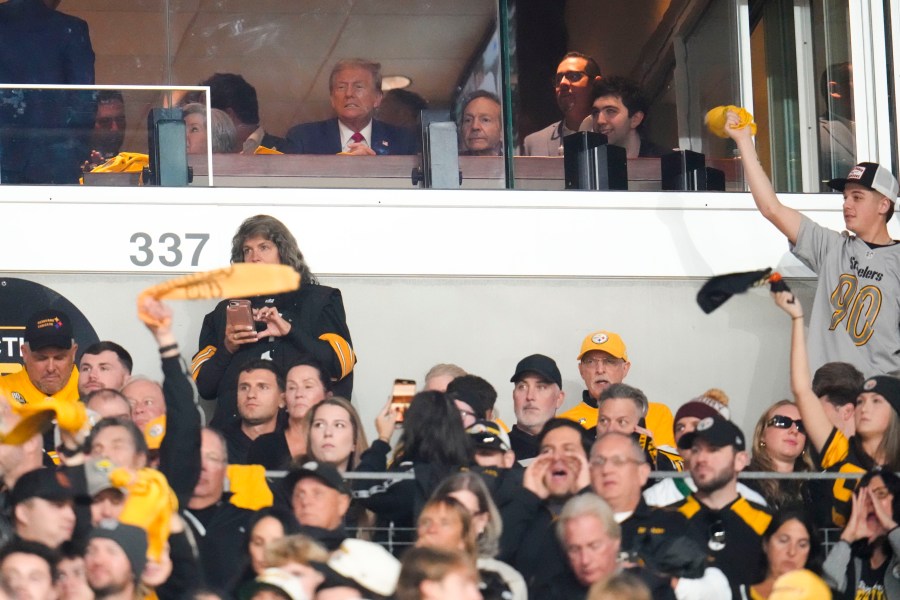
<point x="616" y="461"/>
<point x="572" y="76"/>
<point x="783" y="422"/>
<point x="880" y="493"/>
<point x="716" y="536"/>
<point x="606" y="361"/>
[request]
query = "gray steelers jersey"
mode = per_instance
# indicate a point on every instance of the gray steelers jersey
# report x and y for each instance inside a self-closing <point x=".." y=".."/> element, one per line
<point x="856" y="314"/>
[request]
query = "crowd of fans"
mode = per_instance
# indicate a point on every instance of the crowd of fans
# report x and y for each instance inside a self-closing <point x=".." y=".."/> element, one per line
<point x="283" y="496"/>
<point x="114" y="488"/>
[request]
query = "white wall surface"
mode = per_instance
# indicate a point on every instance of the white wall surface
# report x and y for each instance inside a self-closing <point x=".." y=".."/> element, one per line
<point x="477" y="278"/>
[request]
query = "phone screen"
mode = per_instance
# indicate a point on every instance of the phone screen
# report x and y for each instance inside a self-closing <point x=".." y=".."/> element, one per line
<point x="401" y="396"/>
<point x="238" y="314"/>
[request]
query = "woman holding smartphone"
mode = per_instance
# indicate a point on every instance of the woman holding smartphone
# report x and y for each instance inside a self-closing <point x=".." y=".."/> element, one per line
<point x="309" y="320"/>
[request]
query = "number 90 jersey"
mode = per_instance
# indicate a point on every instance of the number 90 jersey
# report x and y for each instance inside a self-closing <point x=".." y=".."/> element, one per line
<point x="856" y="314"/>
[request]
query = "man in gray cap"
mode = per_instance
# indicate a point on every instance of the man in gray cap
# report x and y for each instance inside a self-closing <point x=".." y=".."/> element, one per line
<point x="537" y="396"/>
<point x="115" y="558"/>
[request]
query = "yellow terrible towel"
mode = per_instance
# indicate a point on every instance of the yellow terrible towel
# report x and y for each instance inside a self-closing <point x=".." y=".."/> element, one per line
<point x="124" y="162"/>
<point x="238" y="280"/>
<point x="249" y="487"/>
<point x="37" y="417"/>
<point x="264" y="150"/>
<point x="717" y="118"/>
<point x="149" y="504"/>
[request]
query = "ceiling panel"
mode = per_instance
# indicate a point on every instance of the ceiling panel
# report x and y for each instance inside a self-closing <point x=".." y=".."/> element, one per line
<point x="419" y="37"/>
<point x="133" y="70"/>
<point x="328" y="7"/>
<point x="417" y="7"/>
<point x="127" y="33"/>
<point x="81" y="7"/>
<point x="285" y="48"/>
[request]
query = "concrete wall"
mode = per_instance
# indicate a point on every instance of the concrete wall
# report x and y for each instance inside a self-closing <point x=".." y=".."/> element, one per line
<point x="401" y="326"/>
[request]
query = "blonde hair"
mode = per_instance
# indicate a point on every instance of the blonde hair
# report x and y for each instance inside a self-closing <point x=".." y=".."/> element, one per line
<point x="467" y="530"/>
<point x="489" y="540"/>
<point x="445" y="369"/>
<point x="777" y="492"/>
<point x="360" y="444"/>
<point x="621" y="586"/>
<point x="294" y="548"/>
<point x="428" y="564"/>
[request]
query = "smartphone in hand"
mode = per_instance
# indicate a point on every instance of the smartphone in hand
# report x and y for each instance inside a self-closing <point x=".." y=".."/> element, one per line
<point x="401" y="395"/>
<point x="238" y="314"/>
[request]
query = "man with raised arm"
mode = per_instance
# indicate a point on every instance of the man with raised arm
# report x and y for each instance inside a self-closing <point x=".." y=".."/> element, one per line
<point x="856" y="313"/>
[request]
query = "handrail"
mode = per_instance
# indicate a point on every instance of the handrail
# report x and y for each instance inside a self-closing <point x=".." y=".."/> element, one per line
<point x="803" y="475"/>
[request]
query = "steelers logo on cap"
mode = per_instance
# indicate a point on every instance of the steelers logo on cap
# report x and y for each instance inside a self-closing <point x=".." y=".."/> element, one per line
<point x="870" y="384"/>
<point x="600" y="338"/>
<point x="104" y="465"/>
<point x="705" y="424"/>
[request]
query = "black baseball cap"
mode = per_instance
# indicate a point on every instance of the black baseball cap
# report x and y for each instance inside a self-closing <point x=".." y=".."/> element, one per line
<point x="324" y="472"/>
<point x="540" y="365"/>
<point x="715" y="431"/>
<point x="47" y="483"/>
<point x="873" y="176"/>
<point x="48" y="328"/>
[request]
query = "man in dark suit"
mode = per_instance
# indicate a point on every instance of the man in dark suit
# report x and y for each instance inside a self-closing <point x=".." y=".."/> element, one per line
<point x="44" y="134"/>
<point x="355" y="88"/>
<point x="232" y="94"/>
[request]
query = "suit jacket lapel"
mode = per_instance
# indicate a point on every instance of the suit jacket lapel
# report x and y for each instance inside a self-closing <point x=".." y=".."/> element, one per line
<point x="332" y="136"/>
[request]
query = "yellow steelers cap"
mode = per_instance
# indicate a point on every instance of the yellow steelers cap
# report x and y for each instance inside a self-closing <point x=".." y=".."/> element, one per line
<point x="605" y="341"/>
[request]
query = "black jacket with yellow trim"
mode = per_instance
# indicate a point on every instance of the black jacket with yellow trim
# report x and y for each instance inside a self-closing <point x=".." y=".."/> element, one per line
<point x="732" y="537"/>
<point x="318" y="327"/>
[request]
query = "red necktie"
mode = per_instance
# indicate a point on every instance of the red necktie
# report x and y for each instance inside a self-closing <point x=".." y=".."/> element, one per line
<point x="357" y="137"/>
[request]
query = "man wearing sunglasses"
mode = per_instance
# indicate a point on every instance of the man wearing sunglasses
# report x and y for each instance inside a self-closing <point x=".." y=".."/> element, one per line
<point x="573" y="82"/>
<point x="728" y="525"/>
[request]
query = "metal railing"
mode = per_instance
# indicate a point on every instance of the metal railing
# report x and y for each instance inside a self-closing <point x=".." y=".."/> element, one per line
<point x="393" y="537"/>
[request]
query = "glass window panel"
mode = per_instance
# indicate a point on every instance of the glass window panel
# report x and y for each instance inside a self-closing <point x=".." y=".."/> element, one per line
<point x="834" y="88"/>
<point x="439" y="51"/>
<point x="680" y="56"/>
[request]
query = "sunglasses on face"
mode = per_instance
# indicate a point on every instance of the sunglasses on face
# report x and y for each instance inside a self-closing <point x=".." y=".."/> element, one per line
<point x="782" y="422"/>
<point x="571" y="76"/>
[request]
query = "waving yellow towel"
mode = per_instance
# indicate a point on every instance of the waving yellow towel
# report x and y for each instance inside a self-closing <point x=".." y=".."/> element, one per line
<point x="716" y="119"/>
<point x="237" y="281"/>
